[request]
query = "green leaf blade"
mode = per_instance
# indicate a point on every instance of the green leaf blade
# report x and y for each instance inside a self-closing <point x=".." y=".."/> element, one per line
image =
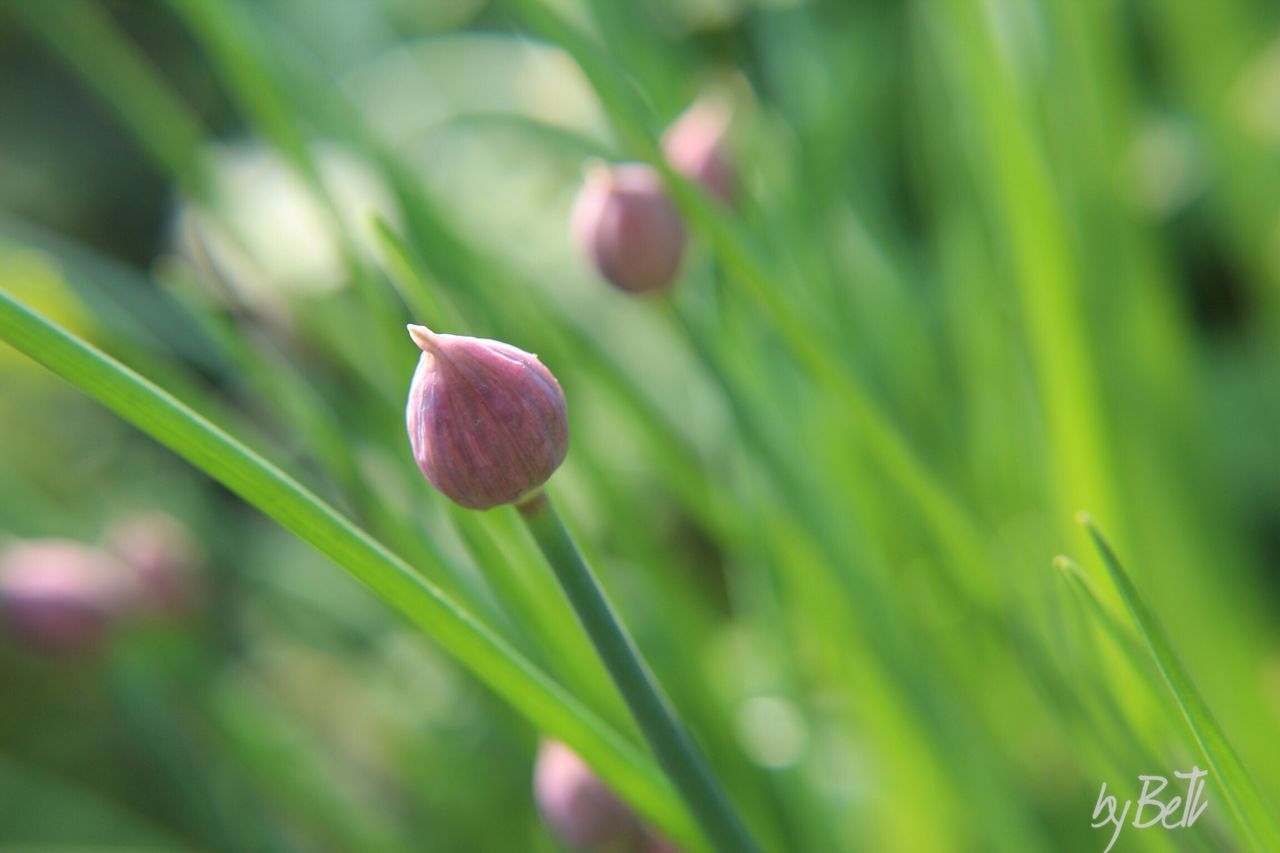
<point x="1250" y="807"/>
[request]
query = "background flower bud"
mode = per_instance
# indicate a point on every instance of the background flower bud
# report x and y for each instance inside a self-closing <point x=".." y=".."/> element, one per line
<point x="651" y="842"/>
<point x="60" y="596"/>
<point x="164" y="556"/>
<point x="578" y="807"/>
<point x="696" y="147"/>
<point x="628" y="228"/>
<point x="486" y="420"/>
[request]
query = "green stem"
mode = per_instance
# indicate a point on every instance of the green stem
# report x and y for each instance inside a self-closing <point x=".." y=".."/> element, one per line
<point x="668" y="738"/>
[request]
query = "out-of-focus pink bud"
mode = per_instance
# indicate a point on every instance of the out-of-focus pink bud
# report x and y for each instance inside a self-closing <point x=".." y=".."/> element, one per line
<point x="628" y="228"/>
<point x="651" y="842"/>
<point x="61" y="597"/>
<point x="165" y="557"/>
<point x="696" y="146"/>
<point x="486" y="420"/>
<point x="573" y="801"/>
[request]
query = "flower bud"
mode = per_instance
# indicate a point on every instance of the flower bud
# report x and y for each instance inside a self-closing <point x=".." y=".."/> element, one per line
<point x="696" y="147"/>
<point x="486" y="420"/>
<point x="628" y="228"/>
<point x="651" y="842"/>
<point x="164" y="556"/>
<point x="61" y="597"/>
<point x="578" y="807"/>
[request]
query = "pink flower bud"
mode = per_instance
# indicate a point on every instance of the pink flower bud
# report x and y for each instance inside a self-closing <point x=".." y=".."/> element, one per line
<point x="486" y="420"/>
<point x="696" y="147"/>
<point x="164" y="556"/>
<point x="653" y="843"/>
<point x="573" y="801"/>
<point x="61" y="597"/>
<point x="628" y="228"/>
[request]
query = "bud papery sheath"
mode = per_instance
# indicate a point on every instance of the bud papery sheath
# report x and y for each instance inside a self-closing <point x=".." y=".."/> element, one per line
<point x="486" y="420"/>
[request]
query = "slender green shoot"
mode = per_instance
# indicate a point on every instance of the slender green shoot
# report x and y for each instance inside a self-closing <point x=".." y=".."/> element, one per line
<point x="1247" y="803"/>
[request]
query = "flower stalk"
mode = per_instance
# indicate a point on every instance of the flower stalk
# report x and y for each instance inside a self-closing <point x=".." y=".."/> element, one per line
<point x="667" y="737"/>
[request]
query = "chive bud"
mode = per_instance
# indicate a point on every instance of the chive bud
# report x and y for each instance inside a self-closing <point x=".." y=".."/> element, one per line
<point x="486" y="420"/>
<point x="696" y="147"/>
<point x="578" y="807"/>
<point x="61" y="597"/>
<point x="628" y="228"/>
<point x="165" y="558"/>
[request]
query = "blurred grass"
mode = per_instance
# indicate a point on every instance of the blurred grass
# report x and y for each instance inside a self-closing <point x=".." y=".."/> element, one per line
<point x="993" y="264"/>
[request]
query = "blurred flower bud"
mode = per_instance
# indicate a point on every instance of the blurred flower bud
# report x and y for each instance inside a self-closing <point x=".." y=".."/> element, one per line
<point x="573" y="801"/>
<point x="628" y="228"/>
<point x="486" y="420"/>
<point x="164" y="556"/>
<point x="651" y="842"/>
<point x="61" y="597"/>
<point x="696" y="147"/>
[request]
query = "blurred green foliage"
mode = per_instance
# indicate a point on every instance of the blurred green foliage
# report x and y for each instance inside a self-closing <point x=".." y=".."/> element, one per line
<point x="994" y="263"/>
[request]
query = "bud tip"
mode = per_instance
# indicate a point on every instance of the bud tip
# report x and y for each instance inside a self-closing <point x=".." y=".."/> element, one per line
<point x="423" y="337"/>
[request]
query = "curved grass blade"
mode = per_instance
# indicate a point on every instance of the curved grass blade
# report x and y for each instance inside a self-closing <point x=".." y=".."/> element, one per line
<point x="408" y="278"/>
<point x="1247" y="803"/>
<point x="1120" y="632"/>
<point x="240" y="469"/>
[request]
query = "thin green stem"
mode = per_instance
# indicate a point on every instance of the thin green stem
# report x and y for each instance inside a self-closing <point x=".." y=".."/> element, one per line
<point x="670" y="741"/>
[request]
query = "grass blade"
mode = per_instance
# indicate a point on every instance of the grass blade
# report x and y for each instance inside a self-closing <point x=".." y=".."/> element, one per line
<point x="409" y="279"/>
<point x="1119" y="632"/>
<point x="1029" y="213"/>
<point x="182" y="430"/>
<point x="1247" y="803"/>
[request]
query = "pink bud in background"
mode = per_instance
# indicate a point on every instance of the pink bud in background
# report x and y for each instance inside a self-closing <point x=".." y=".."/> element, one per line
<point x="657" y="844"/>
<point x="696" y="146"/>
<point x="61" y="597"/>
<point x="628" y="228"/>
<point x="165" y="557"/>
<point x="486" y="420"/>
<point x="653" y="843"/>
<point x="573" y="801"/>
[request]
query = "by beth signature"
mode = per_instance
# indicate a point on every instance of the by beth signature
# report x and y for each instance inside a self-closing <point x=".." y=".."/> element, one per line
<point x="1175" y="813"/>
